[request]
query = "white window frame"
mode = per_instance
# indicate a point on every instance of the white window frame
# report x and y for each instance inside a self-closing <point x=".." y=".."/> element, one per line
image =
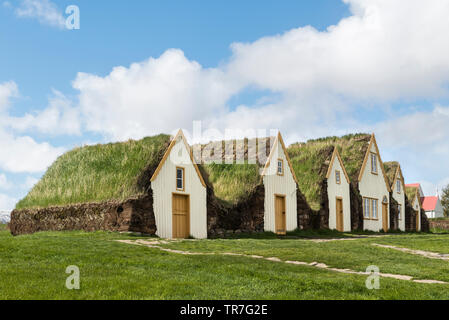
<point x="182" y="179"/>
<point x="338" y="176"/>
<point x="398" y="186"/>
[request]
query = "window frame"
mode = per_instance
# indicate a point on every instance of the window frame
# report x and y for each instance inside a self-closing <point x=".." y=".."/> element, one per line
<point x="337" y="177"/>
<point x="183" y="178"/>
<point x="398" y="186"/>
<point x="371" y="206"/>
<point x="281" y="161"/>
<point x="374" y="156"/>
<point x="400" y="211"/>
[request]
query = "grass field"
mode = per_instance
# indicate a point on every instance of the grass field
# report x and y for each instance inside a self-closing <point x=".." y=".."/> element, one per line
<point x="33" y="267"/>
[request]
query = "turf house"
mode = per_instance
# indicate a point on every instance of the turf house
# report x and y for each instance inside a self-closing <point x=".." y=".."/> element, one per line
<point x="413" y="193"/>
<point x="323" y="178"/>
<point x="395" y="177"/>
<point x="254" y="180"/>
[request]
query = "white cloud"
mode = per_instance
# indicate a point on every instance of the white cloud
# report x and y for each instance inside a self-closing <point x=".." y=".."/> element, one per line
<point x="8" y="90"/>
<point x="386" y="50"/>
<point x="59" y="118"/>
<point x="153" y="96"/>
<point x="21" y="153"/>
<point x="24" y="154"/>
<point x="45" y="11"/>
<point x="4" y="183"/>
<point x="7" y="203"/>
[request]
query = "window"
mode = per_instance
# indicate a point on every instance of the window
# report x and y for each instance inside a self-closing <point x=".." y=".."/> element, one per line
<point x="370" y="208"/>
<point x="180" y="179"/>
<point x="337" y="177"/>
<point x="366" y="208"/>
<point x="398" y="186"/>
<point x="375" y="208"/>
<point x="400" y="212"/>
<point x="280" y="167"/>
<point x="373" y="163"/>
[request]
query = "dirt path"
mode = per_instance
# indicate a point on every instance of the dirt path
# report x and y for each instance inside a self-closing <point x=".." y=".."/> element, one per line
<point x="427" y="254"/>
<point x="156" y="245"/>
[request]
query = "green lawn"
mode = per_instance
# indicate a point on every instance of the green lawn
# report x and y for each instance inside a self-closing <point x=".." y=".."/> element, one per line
<point x="33" y="267"/>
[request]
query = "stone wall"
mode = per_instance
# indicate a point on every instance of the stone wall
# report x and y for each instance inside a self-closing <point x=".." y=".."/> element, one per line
<point x="439" y="224"/>
<point x="356" y="207"/>
<point x="134" y="215"/>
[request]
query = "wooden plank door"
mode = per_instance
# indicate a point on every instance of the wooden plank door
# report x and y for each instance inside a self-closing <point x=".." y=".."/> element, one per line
<point x="385" y="221"/>
<point x="340" y="222"/>
<point x="280" y="215"/>
<point x="181" y="216"/>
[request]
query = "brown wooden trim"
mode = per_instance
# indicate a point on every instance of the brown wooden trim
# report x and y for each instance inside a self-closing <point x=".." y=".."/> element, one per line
<point x="329" y="170"/>
<point x="183" y="179"/>
<point x="167" y="153"/>
<point x="267" y="164"/>
<point x="373" y="141"/>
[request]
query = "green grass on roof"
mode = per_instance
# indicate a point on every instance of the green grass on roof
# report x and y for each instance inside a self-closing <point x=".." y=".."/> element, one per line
<point x="411" y="192"/>
<point x="311" y="161"/>
<point x="233" y="183"/>
<point x="390" y="170"/>
<point x="97" y="173"/>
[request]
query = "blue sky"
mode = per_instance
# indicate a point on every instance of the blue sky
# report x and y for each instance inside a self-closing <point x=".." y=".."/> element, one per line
<point x="308" y="68"/>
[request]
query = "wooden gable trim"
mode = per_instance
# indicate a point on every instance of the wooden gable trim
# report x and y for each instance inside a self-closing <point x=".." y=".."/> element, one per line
<point x="280" y="141"/>
<point x="398" y="175"/>
<point x="167" y="153"/>
<point x="368" y="152"/>
<point x="336" y="154"/>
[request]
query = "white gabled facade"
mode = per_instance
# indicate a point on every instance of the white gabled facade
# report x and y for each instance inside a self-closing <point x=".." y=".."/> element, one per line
<point x="416" y="204"/>
<point x="279" y="184"/>
<point x="164" y="186"/>
<point x="398" y="193"/>
<point x="375" y="190"/>
<point x="338" y="190"/>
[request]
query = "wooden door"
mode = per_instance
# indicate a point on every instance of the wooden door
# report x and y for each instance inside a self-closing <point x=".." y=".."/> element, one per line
<point x="385" y="221"/>
<point x="181" y="216"/>
<point x="340" y="223"/>
<point x="280" y="215"/>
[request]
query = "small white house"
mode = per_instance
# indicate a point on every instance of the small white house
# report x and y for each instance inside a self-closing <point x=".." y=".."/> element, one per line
<point x="179" y="193"/>
<point x="415" y="194"/>
<point x="280" y="185"/>
<point x="433" y="207"/>
<point x="396" y="178"/>
<point x="338" y="193"/>
<point x="375" y="190"/>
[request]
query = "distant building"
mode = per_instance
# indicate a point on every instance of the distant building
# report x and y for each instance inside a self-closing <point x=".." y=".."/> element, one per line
<point x="432" y="206"/>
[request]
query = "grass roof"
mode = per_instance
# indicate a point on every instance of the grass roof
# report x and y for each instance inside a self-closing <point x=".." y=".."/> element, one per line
<point x="311" y="161"/>
<point x="98" y="173"/>
<point x="390" y="170"/>
<point x="411" y="192"/>
<point x="233" y="180"/>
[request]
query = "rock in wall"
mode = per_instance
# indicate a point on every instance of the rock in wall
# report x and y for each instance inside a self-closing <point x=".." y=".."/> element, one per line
<point x="134" y="215"/>
<point x="410" y="217"/>
<point x="305" y="213"/>
<point x="246" y="216"/>
<point x="356" y="207"/>
<point x="425" y="225"/>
